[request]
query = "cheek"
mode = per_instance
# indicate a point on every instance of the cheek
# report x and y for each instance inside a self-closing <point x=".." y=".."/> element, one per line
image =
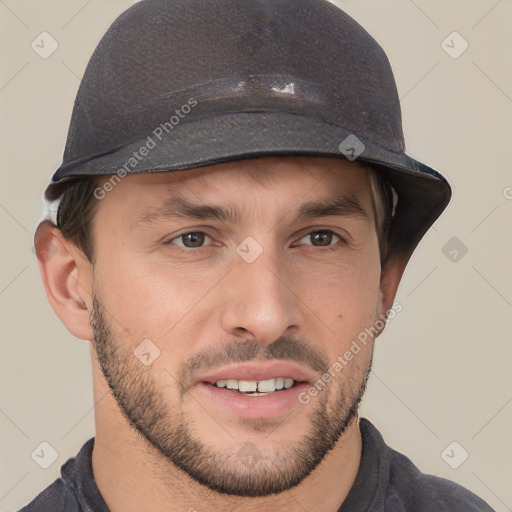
<point x="152" y="301"/>
<point x="344" y="298"/>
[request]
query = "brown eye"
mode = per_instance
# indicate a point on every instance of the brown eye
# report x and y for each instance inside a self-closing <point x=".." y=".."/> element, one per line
<point x="321" y="238"/>
<point x="190" y="240"/>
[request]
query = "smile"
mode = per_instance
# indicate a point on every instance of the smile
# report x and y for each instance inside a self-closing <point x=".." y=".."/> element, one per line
<point x="256" y="388"/>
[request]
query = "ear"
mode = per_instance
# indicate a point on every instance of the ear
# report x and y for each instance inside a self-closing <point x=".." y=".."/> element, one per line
<point x="391" y="274"/>
<point x="67" y="279"/>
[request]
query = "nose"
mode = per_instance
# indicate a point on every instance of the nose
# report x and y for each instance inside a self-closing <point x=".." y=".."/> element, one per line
<point x="260" y="300"/>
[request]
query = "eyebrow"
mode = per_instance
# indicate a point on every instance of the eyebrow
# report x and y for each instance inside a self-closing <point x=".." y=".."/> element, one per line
<point x="180" y="208"/>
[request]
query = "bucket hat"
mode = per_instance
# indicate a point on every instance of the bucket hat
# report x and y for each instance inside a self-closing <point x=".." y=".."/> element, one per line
<point x="178" y="84"/>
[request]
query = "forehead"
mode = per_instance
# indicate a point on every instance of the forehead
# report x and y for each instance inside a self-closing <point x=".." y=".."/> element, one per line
<point x="273" y="181"/>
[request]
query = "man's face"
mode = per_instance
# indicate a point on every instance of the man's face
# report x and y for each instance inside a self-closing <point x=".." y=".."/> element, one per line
<point x="250" y="271"/>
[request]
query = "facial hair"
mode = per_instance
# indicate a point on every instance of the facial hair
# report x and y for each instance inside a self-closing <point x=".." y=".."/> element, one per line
<point x="244" y="470"/>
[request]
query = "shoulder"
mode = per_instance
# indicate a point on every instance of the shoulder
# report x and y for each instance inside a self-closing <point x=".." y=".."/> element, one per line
<point x="75" y="489"/>
<point x="399" y="486"/>
<point x="57" y="497"/>
<point x="413" y="490"/>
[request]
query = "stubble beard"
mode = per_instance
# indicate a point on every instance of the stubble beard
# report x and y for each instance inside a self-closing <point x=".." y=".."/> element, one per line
<point x="240" y="470"/>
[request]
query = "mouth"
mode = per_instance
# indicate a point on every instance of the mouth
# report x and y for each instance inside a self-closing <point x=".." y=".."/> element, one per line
<point x="255" y="389"/>
<point x="258" y="377"/>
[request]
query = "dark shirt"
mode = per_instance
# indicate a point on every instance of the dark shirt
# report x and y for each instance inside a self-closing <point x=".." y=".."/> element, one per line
<point x="387" y="481"/>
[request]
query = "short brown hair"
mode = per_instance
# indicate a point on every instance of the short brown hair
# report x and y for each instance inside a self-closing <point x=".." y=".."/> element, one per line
<point x="76" y="211"/>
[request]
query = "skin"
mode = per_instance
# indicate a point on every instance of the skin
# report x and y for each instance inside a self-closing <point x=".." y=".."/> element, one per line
<point x="297" y="301"/>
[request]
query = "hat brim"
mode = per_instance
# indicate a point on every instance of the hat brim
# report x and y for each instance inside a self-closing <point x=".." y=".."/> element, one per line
<point x="422" y="192"/>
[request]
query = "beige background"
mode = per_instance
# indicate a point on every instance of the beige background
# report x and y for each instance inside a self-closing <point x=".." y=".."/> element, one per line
<point x="443" y="368"/>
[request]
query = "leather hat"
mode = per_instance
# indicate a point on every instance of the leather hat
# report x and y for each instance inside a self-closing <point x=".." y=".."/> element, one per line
<point x="176" y="84"/>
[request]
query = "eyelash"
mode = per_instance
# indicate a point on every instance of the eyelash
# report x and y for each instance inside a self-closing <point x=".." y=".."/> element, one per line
<point x="330" y="247"/>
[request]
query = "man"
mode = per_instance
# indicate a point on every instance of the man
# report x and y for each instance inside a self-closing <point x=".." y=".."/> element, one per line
<point x="235" y="213"/>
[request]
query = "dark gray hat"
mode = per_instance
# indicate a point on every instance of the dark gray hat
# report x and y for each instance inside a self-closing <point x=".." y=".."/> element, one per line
<point x="176" y="84"/>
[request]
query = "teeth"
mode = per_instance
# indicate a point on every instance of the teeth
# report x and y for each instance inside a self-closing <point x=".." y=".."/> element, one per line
<point x="247" y="386"/>
<point x="265" y="386"/>
<point x="288" y="383"/>
<point x="257" y="388"/>
<point x="232" y="384"/>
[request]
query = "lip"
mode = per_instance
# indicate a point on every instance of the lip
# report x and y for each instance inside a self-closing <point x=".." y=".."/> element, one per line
<point x="252" y="407"/>
<point x="256" y="371"/>
<point x="240" y="405"/>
